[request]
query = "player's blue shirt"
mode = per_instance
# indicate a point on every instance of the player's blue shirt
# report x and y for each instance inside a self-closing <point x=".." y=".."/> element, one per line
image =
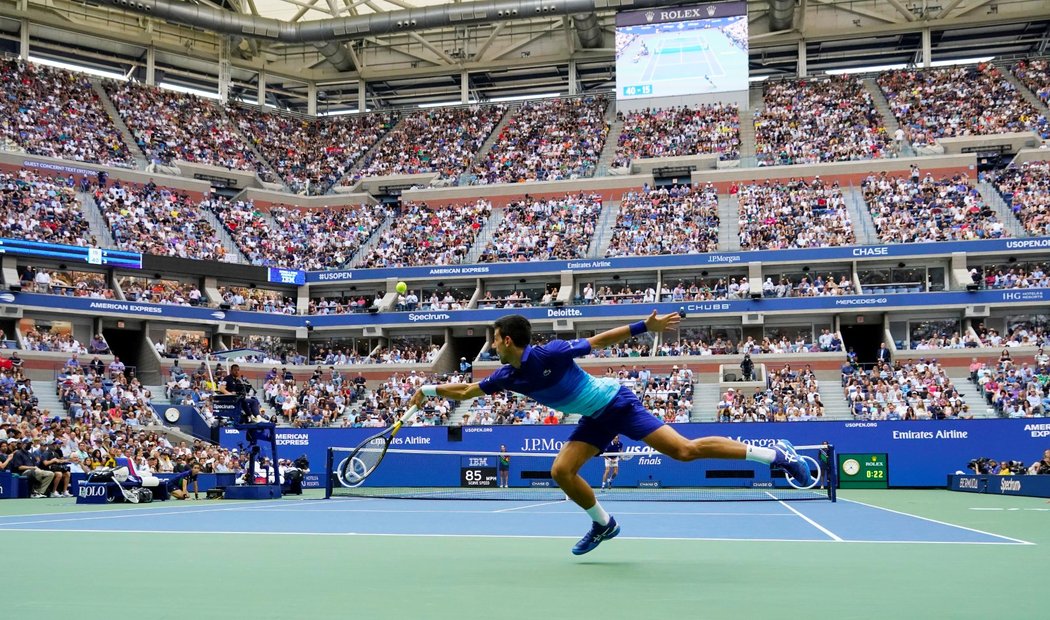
<point x="550" y="376"/>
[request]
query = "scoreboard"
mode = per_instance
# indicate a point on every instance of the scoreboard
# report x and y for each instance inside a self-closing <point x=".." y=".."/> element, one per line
<point x="863" y="471"/>
<point x="478" y="471"/>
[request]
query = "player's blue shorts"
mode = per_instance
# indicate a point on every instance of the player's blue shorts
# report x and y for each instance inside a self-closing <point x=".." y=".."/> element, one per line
<point x="625" y="415"/>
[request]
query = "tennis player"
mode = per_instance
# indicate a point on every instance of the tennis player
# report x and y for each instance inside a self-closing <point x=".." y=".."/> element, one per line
<point x="549" y="374"/>
<point x="612" y="463"/>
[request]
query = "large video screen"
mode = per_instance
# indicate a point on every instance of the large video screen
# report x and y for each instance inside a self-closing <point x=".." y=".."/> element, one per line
<point x="690" y="50"/>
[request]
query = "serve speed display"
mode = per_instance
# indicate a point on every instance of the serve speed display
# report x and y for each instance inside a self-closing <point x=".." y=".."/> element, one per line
<point x="478" y="471"/>
<point x="863" y="471"/>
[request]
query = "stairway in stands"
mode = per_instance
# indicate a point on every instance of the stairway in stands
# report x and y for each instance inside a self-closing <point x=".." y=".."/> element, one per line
<point x="889" y="121"/>
<point x="47" y="394"/>
<point x="994" y="200"/>
<point x="728" y="223"/>
<point x="705" y="401"/>
<point x="603" y="230"/>
<point x="125" y="133"/>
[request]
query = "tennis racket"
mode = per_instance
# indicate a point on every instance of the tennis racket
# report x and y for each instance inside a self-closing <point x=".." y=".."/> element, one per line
<point x="369" y="453"/>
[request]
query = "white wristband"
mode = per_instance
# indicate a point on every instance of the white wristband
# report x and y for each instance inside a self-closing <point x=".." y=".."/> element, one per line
<point x="429" y="390"/>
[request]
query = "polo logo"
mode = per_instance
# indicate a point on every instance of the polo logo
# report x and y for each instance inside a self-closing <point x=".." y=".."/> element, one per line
<point x="92" y="490"/>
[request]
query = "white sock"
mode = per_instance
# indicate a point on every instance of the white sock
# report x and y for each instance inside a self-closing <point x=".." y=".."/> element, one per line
<point x="760" y="455"/>
<point x="598" y="514"/>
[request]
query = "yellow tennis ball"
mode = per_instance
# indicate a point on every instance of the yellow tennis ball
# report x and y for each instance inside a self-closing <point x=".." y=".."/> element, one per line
<point x="401" y="288"/>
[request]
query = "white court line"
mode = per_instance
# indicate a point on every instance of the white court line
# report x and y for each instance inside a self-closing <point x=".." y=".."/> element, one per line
<point x="151" y="513"/>
<point x="141" y="509"/>
<point x="530" y="506"/>
<point x="820" y="527"/>
<point x="514" y="536"/>
<point x="945" y="523"/>
<point x="1014" y="509"/>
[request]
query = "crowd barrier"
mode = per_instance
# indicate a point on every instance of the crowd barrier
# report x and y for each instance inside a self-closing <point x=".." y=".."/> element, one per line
<point x="1029" y="486"/>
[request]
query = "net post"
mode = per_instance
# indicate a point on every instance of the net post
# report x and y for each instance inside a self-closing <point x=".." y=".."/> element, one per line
<point x="328" y="474"/>
<point x="833" y="474"/>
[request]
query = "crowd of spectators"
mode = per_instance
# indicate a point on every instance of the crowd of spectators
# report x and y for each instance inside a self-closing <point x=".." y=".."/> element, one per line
<point x="64" y="282"/>
<point x="913" y="209"/>
<point x="339" y="305"/>
<point x="790" y="395"/>
<point x="549" y="140"/>
<point x="406" y="352"/>
<point x="256" y="300"/>
<point x="703" y="129"/>
<point x="919" y="390"/>
<point x="334" y="353"/>
<point x="551" y="229"/>
<point x="317" y="402"/>
<point x="808" y="286"/>
<point x="1035" y="74"/>
<point x="157" y="220"/>
<point x="161" y="291"/>
<point x="423" y="235"/>
<point x="170" y="126"/>
<point x="56" y="113"/>
<point x="668" y="397"/>
<point x="449" y="299"/>
<point x="1029" y="332"/>
<point x="311" y="155"/>
<point x="793" y="214"/>
<point x="687" y="344"/>
<point x="508" y="407"/>
<point x="957" y="101"/>
<point x="816" y="121"/>
<point x="44" y="339"/>
<point x="1026" y="190"/>
<point x="298" y="238"/>
<point x="1015" y="389"/>
<point x="441" y="140"/>
<point x="42" y="208"/>
<point x="669" y="220"/>
<point x="184" y="345"/>
<point x="1015" y="275"/>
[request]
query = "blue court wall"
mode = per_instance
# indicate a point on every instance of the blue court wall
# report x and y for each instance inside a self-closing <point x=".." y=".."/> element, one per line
<point x="920" y="454"/>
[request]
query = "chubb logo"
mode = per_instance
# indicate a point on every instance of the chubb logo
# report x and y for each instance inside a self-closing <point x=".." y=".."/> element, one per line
<point x="92" y="490"/>
<point x="1010" y="486"/>
<point x="649" y="16"/>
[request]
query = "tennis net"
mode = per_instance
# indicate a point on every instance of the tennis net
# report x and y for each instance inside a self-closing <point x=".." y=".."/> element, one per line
<point x="640" y="476"/>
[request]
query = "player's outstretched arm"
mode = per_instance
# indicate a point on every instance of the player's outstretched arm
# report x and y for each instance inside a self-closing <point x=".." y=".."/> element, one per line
<point x="454" y="391"/>
<point x="618" y="334"/>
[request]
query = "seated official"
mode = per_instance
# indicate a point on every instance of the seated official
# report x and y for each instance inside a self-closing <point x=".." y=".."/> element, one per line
<point x="235" y="385"/>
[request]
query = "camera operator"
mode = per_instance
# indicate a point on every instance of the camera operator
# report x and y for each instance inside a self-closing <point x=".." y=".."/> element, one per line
<point x="984" y="465"/>
<point x="747" y="368"/>
<point x="53" y="460"/>
<point x="1041" y="467"/>
<point x="235" y="385"/>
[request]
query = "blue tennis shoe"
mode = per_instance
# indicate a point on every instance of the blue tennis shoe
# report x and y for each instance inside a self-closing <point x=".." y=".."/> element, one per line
<point x="792" y="463"/>
<point x="595" y="537"/>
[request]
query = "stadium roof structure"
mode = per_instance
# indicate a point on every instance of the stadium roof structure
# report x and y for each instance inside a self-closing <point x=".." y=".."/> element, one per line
<point x="326" y="56"/>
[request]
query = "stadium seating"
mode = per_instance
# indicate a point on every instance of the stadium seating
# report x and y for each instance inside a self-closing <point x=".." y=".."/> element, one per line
<point x="171" y="126"/>
<point x="42" y="208"/>
<point x="666" y="221"/>
<point x="311" y="155"/>
<point x="441" y="140"/>
<point x="672" y="132"/>
<point x="957" y="101"/>
<point x="420" y="235"/>
<point x="818" y="120"/>
<point x="793" y="214"/>
<point x="531" y="229"/>
<point x="548" y="140"/>
<point x="1026" y="190"/>
<point x="910" y="209"/>
<point x="56" y="113"/>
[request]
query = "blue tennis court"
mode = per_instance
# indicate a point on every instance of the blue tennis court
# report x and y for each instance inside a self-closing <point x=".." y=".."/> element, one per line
<point x="813" y="521"/>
